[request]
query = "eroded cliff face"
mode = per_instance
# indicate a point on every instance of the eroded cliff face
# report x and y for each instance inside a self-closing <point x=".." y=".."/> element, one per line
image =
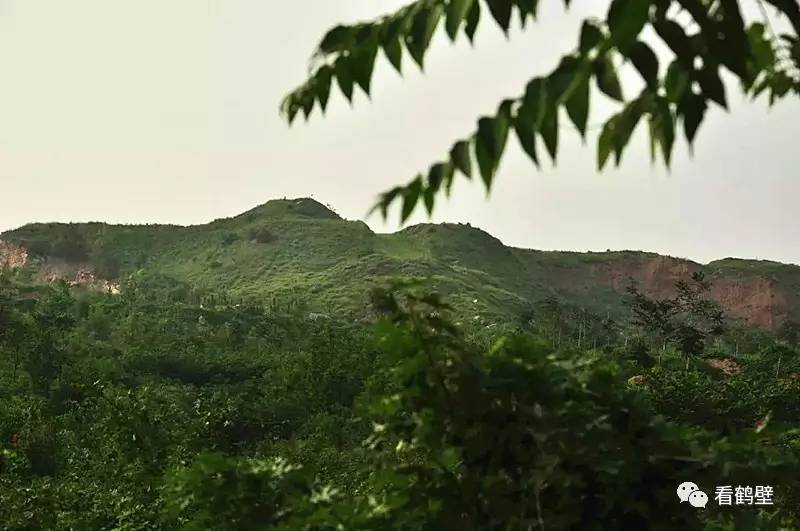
<point x="756" y="300"/>
<point x="12" y="256"/>
<point x="49" y="271"/>
<point x="80" y="276"/>
<point x="655" y="276"/>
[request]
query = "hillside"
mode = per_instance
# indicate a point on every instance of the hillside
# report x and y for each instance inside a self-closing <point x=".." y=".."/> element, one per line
<point x="227" y="369"/>
<point x="286" y="250"/>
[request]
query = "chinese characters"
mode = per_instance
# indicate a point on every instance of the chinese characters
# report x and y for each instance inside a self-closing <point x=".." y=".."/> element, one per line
<point x="743" y="495"/>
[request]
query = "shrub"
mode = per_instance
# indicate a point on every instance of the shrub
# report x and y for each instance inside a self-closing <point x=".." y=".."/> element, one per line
<point x="261" y="235"/>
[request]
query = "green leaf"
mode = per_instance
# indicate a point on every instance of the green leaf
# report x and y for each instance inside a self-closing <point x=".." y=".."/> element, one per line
<point x="605" y="143"/>
<point x="711" y="85"/>
<point x="578" y="103"/>
<point x="527" y="8"/>
<point x="487" y="163"/>
<point x="449" y="174"/>
<point x="307" y="103"/>
<point x="734" y="51"/>
<point x="473" y="18"/>
<point x="563" y="80"/>
<point x="672" y="34"/>
<point x="391" y="43"/>
<point x="667" y="133"/>
<point x="461" y="159"/>
<point x="591" y="36"/>
<point x="763" y="52"/>
<point x="502" y="125"/>
<point x="490" y="142"/>
<point x="363" y="64"/>
<point x="617" y="131"/>
<point x="693" y="110"/>
<point x="534" y="102"/>
<point x="387" y="199"/>
<point x="423" y="27"/>
<point x="526" y="133"/>
<point x="439" y="174"/>
<point x="457" y="11"/>
<point x="662" y="129"/>
<point x="606" y="77"/>
<point x="549" y="131"/>
<point x="645" y="61"/>
<point x="676" y="81"/>
<point x="429" y="198"/>
<point x="291" y="107"/>
<point x="323" y="85"/>
<point x="624" y="126"/>
<point x="344" y="77"/>
<point x="501" y="11"/>
<point x="337" y="39"/>
<point x="394" y="53"/>
<point x="436" y="176"/>
<point x="626" y="19"/>
<point x="411" y="195"/>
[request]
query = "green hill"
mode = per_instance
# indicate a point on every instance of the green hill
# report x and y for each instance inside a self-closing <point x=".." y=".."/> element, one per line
<point x="301" y="250"/>
<point x="229" y="371"/>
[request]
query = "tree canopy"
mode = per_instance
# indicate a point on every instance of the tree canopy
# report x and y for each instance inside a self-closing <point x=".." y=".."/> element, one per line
<point x="706" y="38"/>
<point x="169" y="407"/>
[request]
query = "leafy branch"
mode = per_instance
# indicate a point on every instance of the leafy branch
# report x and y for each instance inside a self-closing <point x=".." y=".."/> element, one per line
<point x="673" y="98"/>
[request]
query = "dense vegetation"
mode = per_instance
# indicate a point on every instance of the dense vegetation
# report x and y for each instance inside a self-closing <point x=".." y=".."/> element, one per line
<point x="165" y="408"/>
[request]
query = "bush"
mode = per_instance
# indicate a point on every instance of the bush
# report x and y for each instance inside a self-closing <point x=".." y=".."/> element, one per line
<point x="229" y="238"/>
<point x="516" y="438"/>
<point x="218" y="492"/>
<point x="261" y="235"/>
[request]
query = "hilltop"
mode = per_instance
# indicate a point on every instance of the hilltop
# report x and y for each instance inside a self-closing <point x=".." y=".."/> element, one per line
<point x="300" y="249"/>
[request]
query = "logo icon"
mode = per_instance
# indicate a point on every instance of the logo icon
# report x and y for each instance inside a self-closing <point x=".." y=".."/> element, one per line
<point x="685" y="489"/>
<point x="690" y="492"/>
<point x="698" y="499"/>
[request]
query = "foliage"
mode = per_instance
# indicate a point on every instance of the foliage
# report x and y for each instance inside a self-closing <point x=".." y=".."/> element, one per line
<point x="240" y="494"/>
<point x="707" y="39"/>
<point x="688" y="320"/>
<point x="261" y="235"/>
<point x="492" y="439"/>
<point x="174" y="405"/>
<point x="114" y="392"/>
<point x="520" y="437"/>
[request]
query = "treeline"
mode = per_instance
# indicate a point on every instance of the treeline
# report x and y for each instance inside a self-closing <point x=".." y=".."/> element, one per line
<point x="168" y="408"/>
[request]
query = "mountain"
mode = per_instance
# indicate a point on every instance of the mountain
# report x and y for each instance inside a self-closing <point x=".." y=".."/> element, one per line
<point x="300" y="249"/>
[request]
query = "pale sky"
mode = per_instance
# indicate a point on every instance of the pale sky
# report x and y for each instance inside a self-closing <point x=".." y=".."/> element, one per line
<point x="167" y="112"/>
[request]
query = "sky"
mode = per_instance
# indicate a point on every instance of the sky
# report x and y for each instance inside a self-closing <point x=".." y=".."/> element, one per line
<point x="167" y="112"/>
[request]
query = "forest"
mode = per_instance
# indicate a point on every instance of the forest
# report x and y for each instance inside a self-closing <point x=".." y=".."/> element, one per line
<point x="164" y="408"/>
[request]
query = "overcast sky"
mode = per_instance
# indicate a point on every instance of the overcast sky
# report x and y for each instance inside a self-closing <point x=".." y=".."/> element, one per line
<point x="167" y="111"/>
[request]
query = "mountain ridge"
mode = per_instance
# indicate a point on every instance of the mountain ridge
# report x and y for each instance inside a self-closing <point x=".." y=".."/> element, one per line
<point x="300" y="248"/>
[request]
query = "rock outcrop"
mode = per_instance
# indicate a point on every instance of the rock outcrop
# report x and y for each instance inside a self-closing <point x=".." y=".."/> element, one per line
<point x="12" y="256"/>
<point x="757" y="296"/>
<point x="82" y="277"/>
